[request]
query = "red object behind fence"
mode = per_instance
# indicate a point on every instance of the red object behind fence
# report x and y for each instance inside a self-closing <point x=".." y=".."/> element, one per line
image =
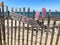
<point x="37" y="15"/>
<point x="43" y="12"/>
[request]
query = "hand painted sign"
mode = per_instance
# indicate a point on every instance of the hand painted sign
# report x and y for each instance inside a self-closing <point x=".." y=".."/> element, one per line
<point x="24" y="19"/>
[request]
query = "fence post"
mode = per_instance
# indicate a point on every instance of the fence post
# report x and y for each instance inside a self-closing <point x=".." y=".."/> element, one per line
<point x="0" y="36"/>
<point x="11" y="28"/>
<point x="7" y="24"/>
<point x="12" y="9"/>
<point x="43" y="17"/>
<point x="32" y="28"/>
<point x="15" y="29"/>
<point x="53" y="28"/>
<point x="28" y="26"/>
<point x="0" y="11"/>
<point x="41" y="31"/>
<point x="19" y="29"/>
<point x="7" y="10"/>
<point x="48" y="27"/>
<point x="57" y="39"/>
<point x="36" y="35"/>
<point x="16" y="10"/>
<point x="37" y="26"/>
<point x="3" y="23"/>
<point x="15" y="32"/>
<point x="0" y="31"/>
<point x="23" y="28"/>
<point x="19" y="33"/>
<point x="20" y="10"/>
<point x="33" y="14"/>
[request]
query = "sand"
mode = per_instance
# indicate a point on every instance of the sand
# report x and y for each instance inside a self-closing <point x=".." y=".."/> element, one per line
<point x="30" y="31"/>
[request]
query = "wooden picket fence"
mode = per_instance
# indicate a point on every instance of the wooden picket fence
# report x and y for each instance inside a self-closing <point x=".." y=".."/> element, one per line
<point x="12" y="33"/>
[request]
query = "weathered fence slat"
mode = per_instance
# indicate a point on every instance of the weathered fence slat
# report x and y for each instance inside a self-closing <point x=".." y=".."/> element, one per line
<point x="19" y="34"/>
<point x="15" y="31"/>
<point x="28" y="26"/>
<point x="0" y="36"/>
<point x="27" y="33"/>
<point x="12" y="29"/>
<point x="41" y="32"/>
<point x="16" y="10"/>
<point x="33" y="14"/>
<point x="20" y="10"/>
<point x="0" y="11"/>
<point x="57" y="39"/>
<point x="3" y="23"/>
<point x="15" y="27"/>
<point x="23" y="35"/>
<point x="32" y="28"/>
<point x="47" y="28"/>
<point x="7" y="24"/>
<point x="19" y="28"/>
<point x="32" y="36"/>
<point x="36" y="35"/>
<point x="0" y="30"/>
<point x="23" y="28"/>
<point x="54" y="23"/>
<point x="12" y="9"/>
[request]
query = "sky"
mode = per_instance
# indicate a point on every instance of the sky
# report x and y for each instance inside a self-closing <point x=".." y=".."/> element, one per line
<point x="36" y="5"/>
